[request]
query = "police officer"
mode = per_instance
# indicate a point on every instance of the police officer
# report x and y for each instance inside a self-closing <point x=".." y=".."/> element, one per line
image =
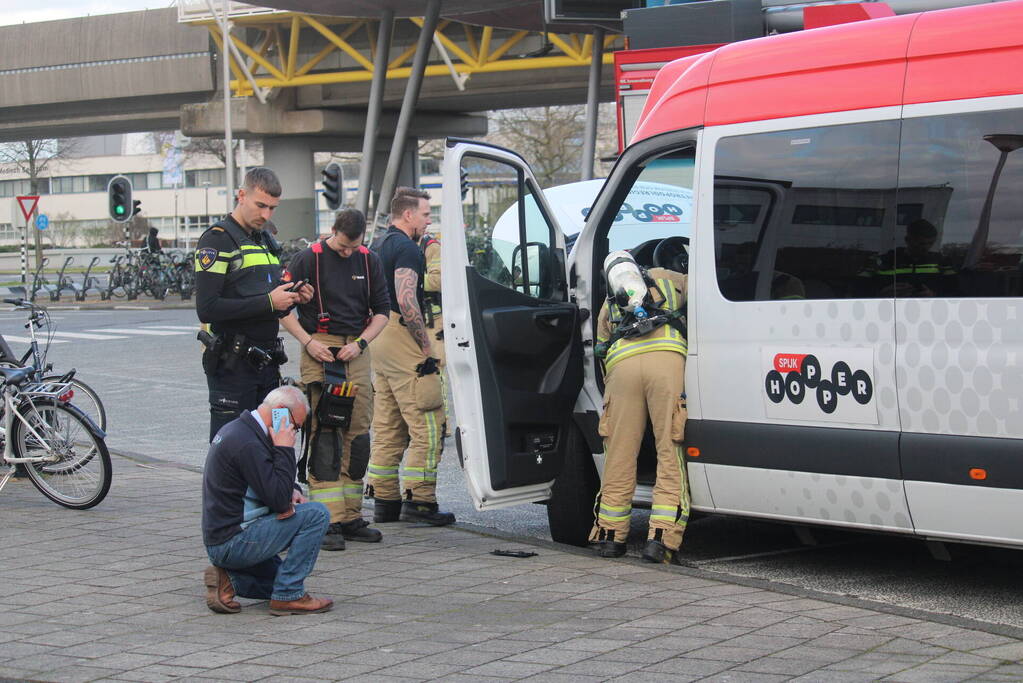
<point x="239" y="294"/>
<point x="347" y="312"/>
<point x="408" y="407"/>
<point x="644" y="355"/>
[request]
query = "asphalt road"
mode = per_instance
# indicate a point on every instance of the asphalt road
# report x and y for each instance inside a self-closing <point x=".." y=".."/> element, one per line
<point x="145" y="365"/>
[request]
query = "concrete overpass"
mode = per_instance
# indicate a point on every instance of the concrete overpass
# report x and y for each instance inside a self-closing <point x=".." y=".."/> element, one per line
<point x="133" y="72"/>
<point x="162" y="70"/>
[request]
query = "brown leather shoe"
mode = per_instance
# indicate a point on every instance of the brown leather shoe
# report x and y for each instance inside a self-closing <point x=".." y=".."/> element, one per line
<point x="219" y="591"/>
<point x="306" y="604"/>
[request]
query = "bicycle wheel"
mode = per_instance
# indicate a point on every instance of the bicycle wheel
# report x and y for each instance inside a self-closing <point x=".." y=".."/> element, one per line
<point x="80" y="475"/>
<point x="85" y="399"/>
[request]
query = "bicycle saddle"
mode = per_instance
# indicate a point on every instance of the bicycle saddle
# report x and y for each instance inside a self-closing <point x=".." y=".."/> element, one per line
<point x="16" y="376"/>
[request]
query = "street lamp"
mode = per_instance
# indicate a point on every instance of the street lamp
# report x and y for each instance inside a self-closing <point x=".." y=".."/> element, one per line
<point x="1005" y="143"/>
<point x="206" y="184"/>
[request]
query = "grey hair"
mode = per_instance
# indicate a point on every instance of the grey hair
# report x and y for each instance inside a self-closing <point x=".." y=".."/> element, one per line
<point x="290" y="397"/>
<point x="262" y="178"/>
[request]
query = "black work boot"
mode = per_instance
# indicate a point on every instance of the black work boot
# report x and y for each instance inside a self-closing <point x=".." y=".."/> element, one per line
<point x="386" y="510"/>
<point x="658" y="553"/>
<point x="334" y="538"/>
<point x="360" y="530"/>
<point x="606" y="545"/>
<point x="416" y="511"/>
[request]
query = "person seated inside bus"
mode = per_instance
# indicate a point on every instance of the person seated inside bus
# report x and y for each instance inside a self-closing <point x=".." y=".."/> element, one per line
<point x="918" y="270"/>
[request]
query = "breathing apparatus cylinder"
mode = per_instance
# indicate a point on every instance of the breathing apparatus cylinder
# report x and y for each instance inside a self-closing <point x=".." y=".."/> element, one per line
<point x="625" y="282"/>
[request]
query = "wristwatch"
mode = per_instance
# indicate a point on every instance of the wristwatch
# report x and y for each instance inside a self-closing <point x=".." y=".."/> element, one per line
<point x="361" y="342"/>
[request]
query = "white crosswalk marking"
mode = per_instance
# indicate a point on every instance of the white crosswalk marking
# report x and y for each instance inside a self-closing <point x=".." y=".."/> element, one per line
<point x="187" y="328"/>
<point x="125" y="330"/>
<point x="28" y="340"/>
<point x="82" y="335"/>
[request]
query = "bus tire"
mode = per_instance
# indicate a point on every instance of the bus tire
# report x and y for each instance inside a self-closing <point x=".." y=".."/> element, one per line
<point x="570" y="509"/>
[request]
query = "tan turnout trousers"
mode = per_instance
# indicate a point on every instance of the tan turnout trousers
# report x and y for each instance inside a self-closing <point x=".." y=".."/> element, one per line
<point x="342" y="497"/>
<point x="647" y="385"/>
<point x="408" y="413"/>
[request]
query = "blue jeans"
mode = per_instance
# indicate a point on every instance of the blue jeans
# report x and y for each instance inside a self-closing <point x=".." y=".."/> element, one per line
<point x="251" y="557"/>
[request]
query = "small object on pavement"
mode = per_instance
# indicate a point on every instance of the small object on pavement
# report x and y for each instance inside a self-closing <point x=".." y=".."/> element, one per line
<point x="513" y="553"/>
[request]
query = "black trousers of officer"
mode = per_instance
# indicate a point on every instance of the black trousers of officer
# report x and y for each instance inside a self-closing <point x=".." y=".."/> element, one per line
<point x="241" y="387"/>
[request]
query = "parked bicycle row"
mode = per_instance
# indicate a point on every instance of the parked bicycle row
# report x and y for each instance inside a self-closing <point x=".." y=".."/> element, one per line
<point x="134" y="273"/>
<point x="53" y="424"/>
<point x="138" y="271"/>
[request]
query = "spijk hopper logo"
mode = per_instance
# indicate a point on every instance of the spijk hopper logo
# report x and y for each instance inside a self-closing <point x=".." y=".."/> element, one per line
<point x="794" y="375"/>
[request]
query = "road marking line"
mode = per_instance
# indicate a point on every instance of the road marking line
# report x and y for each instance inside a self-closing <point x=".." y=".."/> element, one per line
<point x="28" y="340"/>
<point x="82" y="335"/>
<point x="125" y="330"/>
<point x="187" y="328"/>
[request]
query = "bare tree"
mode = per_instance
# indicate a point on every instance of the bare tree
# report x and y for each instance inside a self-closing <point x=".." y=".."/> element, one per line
<point x="197" y="148"/>
<point x="551" y="138"/>
<point x="64" y="230"/>
<point x="33" y="158"/>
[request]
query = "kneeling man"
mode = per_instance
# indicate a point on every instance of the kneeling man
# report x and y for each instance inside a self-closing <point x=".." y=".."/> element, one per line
<point x="253" y="510"/>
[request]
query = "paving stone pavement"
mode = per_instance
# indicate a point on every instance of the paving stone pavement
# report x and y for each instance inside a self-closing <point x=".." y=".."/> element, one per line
<point x="115" y="593"/>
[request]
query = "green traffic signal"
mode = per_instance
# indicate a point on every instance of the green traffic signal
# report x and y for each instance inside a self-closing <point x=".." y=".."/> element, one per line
<point x="119" y="191"/>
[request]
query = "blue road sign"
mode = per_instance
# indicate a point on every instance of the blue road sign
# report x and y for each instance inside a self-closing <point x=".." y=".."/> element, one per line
<point x="42" y="221"/>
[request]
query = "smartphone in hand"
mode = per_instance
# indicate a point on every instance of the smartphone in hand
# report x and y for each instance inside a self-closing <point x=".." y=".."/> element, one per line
<point x="280" y="418"/>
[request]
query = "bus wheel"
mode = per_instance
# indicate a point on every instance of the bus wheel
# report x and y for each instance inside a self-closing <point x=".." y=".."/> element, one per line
<point x="570" y="509"/>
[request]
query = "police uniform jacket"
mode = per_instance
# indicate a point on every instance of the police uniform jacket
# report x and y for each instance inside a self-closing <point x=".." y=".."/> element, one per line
<point x="235" y="272"/>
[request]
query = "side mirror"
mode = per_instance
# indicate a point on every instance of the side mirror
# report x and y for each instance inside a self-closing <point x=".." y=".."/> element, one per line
<point x="538" y="268"/>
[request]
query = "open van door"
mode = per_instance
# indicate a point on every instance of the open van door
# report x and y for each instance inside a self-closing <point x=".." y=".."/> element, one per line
<point x="512" y="337"/>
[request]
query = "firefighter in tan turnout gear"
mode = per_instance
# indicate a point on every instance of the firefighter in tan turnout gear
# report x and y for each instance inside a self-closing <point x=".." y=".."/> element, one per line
<point x="431" y="291"/>
<point x="335" y="328"/>
<point x="408" y="408"/>
<point x="641" y="337"/>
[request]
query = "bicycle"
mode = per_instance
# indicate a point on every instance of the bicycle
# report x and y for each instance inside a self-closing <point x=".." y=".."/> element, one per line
<point x="38" y="317"/>
<point x="63" y="453"/>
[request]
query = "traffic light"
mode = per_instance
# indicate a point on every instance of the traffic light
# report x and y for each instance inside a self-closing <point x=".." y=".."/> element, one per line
<point x="136" y="207"/>
<point x="464" y="182"/>
<point x="119" y="194"/>
<point x="332" y="188"/>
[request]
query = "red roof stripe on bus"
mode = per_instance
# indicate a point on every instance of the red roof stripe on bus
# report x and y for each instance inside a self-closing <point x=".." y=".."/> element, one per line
<point x="982" y="48"/>
<point x="684" y="101"/>
<point x="853" y="66"/>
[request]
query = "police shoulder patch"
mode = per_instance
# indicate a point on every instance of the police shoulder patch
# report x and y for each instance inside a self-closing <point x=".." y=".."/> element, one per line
<point x="206" y="257"/>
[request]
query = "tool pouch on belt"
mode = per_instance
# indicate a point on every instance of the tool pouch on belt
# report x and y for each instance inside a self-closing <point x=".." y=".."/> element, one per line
<point x="338" y="398"/>
<point x="358" y="459"/>
<point x="678" y="420"/>
<point x="427" y="388"/>
<point x="325" y="454"/>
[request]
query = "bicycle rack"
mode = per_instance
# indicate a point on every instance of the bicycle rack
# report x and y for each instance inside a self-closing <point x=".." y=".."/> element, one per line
<point x="108" y="292"/>
<point x="62" y="281"/>
<point x="89" y="282"/>
<point x="39" y="280"/>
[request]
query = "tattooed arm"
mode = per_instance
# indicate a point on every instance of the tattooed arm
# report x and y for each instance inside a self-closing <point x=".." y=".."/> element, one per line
<point x="405" y="283"/>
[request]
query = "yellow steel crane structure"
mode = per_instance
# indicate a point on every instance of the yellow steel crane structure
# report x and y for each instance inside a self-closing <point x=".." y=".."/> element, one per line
<point x="276" y="59"/>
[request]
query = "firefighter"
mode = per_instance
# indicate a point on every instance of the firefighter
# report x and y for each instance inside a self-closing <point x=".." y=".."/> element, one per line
<point x="335" y="328"/>
<point x="641" y="337"/>
<point x="239" y="294"/>
<point x="408" y="407"/>
<point x="431" y="292"/>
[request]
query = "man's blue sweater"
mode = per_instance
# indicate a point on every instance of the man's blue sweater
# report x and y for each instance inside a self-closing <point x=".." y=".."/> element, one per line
<point x="246" y="476"/>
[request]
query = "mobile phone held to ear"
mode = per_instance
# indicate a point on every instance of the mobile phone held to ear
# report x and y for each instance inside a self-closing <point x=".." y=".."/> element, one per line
<point x="280" y="418"/>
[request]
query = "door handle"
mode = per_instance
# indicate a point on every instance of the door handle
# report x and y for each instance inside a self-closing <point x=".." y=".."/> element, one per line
<point x="547" y="319"/>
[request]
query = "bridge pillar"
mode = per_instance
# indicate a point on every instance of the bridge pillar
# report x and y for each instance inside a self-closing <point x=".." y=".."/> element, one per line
<point x="291" y="158"/>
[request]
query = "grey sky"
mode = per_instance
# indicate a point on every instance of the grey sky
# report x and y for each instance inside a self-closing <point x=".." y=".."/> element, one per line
<point x="15" y="12"/>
